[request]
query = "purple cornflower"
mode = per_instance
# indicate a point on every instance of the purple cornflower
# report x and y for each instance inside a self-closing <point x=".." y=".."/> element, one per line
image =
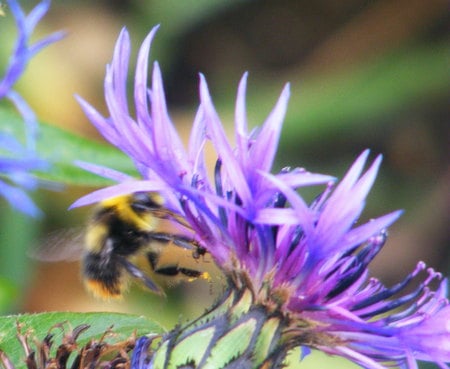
<point x="297" y="273"/>
<point x="16" y="160"/>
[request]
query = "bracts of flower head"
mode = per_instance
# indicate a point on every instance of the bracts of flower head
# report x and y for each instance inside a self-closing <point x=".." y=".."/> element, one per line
<point x="296" y="271"/>
<point x="16" y="160"/>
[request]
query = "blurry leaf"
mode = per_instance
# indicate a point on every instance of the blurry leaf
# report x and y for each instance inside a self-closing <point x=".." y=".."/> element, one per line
<point x="18" y="231"/>
<point x="61" y="148"/>
<point x="178" y="16"/>
<point x="40" y="324"/>
<point x="356" y="97"/>
<point x="176" y="19"/>
<point x="8" y="292"/>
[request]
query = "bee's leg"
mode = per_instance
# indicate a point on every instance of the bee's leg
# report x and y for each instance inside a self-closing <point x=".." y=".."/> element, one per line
<point x="179" y="240"/>
<point x="169" y="271"/>
<point x="191" y="273"/>
<point x="173" y="270"/>
<point x="137" y="273"/>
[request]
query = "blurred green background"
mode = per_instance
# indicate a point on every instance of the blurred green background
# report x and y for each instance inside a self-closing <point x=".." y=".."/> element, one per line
<point x="364" y="74"/>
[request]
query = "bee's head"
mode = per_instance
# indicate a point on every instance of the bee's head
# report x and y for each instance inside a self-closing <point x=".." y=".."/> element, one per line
<point x="140" y="209"/>
<point x="137" y="208"/>
<point x="143" y="202"/>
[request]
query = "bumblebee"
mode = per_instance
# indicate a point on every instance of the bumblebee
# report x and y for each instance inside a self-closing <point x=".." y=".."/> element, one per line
<point x="121" y="241"/>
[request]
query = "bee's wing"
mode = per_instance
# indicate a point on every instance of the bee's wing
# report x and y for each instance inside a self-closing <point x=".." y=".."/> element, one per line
<point x="62" y="245"/>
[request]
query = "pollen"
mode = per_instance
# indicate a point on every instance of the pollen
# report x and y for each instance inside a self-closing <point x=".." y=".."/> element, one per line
<point x="204" y="275"/>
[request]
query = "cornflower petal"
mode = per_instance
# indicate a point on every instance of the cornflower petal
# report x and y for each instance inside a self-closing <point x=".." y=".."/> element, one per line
<point x="109" y="132"/>
<point x="196" y="157"/>
<point x="240" y="117"/>
<point x="303" y="212"/>
<point x="265" y="146"/>
<point x="166" y="140"/>
<point x="34" y="16"/>
<point x="46" y="41"/>
<point x="432" y="335"/>
<point x="119" y="71"/>
<point x="117" y="190"/>
<point x="22" y="52"/>
<point x="276" y="216"/>
<point x="359" y="234"/>
<point x="296" y="178"/>
<point x="103" y="171"/>
<point x="344" y="207"/>
<point x="225" y="153"/>
<point x="19" y="199"/>
<point x="28" y="116"/>
<point x="140" y="83"/>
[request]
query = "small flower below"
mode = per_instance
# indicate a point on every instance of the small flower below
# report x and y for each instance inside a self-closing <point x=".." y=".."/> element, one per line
<point x="16" y="160"/>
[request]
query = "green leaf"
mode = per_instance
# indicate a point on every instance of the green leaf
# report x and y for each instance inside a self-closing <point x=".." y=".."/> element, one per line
<point x="62" y="148"/>
<point x="124" y="326"/>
